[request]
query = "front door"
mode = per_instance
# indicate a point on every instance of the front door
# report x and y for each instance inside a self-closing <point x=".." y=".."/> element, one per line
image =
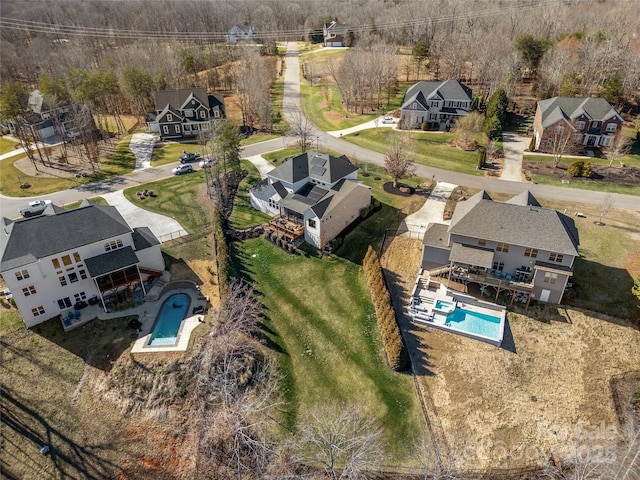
<point x="544" y="295"/>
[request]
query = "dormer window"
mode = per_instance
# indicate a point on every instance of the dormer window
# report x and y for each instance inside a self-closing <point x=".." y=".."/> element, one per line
<point x="594" y="124"/>
<point x="203" y="114"/>
<point x="580" y="125"/>
<point x="169" y="117"/>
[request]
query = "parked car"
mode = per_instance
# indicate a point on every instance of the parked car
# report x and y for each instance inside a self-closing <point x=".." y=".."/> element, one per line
<point x="187" y="157"/>
<point x="206" y="163"/>
<point x="184" y="168"/>
<point x="34" y="208"/>
<point x="388" y="120"/>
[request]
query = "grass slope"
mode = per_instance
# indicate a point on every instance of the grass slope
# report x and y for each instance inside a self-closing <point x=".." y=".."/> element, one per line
<point x="321" y="326"/>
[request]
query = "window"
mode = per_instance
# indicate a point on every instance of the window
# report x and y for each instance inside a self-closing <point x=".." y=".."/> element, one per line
<point x="605" y="141"/>
<point x="550" y="277"/>
<point x="83" y="274"/>
<point x="482" y="242"/>
<point x="558" y="130"/>
<point x="580" y="125"/>
<point x="577" y="137"/>
<point x="56" y="263"/>
<point x="611" y="127"/>
<point x="37" y="311"/>
<point x="30" y="290"/>
<point x="76" y="257"/>
<point x="64" y="303"/>
<point x="498" y="266"/>
<point x="188" y="112"/>
<point x="113" y="245"/>
<point x="66" y="260"/>
<point x="216" y="114"/>
<point x="502" y="247"/>
<point x="73" y="277"/>
<point x="79" y="296"/>
<point x="177" y="128"/>
<point x="594" y="124"/>
<point x="415" y="105"/>
<point x="203" y="114"/>
<point x="22" y="275"/>
<point x="531" y="252"/>
<point x="549" y="142"/>
<point x="169" y="117"/>
<point x="556" y="257"/>
<point x="63" y="280"/>
<point x="312" y="223"/>
<point x="165" y="129"/>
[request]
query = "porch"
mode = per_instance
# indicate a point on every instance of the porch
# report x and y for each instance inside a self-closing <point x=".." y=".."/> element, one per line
<point x="290" y="228"/>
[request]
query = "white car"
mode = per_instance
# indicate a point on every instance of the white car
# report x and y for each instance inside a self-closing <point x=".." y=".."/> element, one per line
<point x="388" y="120"/>
<point x="183" y="168"/>
<point x="35" y="207"/>
<point x="206" y="163"/>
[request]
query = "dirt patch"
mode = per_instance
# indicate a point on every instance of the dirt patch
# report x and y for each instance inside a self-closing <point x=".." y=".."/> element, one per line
<point x="499" y="409"/>
<point x="601" y="173"/>
<point x="333" y="116"/>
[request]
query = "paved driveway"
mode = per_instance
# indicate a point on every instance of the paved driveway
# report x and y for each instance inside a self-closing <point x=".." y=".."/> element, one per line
<point x="514" y="146"/>
<point x="163" y="227"/>
<point x="141" y="144"/>
<point x="261" y="164"/>
<point x="414" y="225"/>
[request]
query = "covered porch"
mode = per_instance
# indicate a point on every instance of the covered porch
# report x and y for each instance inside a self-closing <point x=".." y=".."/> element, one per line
<point x="290" y="225"/>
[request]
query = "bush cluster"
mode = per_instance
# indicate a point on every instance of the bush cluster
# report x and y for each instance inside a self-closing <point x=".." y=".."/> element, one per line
<point x="222" y="252"/>
<point x="394" y="347"/>
<point x="580" y="168"/>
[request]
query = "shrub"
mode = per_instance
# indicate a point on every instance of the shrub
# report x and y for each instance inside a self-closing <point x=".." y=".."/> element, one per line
<point x="586" y="171"/>
<point x="532" y="144"/>
<point x="492" y="127"/>
<point x="481" y="156"/>
<point x="576" y="169"/>
<point x="424" y="126"/>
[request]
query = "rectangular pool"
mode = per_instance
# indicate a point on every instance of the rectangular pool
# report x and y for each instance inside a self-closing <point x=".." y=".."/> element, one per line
<point x="475" y="323"/>
<point x="169" y="320"/>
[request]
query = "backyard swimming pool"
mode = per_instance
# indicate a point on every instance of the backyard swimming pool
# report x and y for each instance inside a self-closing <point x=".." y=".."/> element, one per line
<point x="475" y="323"/>
<point x="172" y="313"/>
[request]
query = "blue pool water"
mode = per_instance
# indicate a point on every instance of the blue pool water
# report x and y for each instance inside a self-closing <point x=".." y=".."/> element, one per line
<point x="443" y="305"/>
<point x="475" y="323"/>
<point x="167" y="326"/>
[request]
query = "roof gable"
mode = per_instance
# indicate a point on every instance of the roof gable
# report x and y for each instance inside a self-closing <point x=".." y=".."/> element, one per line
<point x="450" y="89"/>
<point x="314" y="165"/>
<point x="177" y="98"/>
<point x="552" y="109"/>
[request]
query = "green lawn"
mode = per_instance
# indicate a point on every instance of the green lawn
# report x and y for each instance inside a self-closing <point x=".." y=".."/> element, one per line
<point x="321" y="327"/>
<point x="120" y="162"/>
<point x="430" y="148"/>
<point x="244" y="215"/>
<point x="170" y="152"/>
<point x="179" y="197"/>
<point x="7" y="145"/>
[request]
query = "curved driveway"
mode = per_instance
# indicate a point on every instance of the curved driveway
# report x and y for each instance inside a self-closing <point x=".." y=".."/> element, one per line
<point x="291" y="103"/>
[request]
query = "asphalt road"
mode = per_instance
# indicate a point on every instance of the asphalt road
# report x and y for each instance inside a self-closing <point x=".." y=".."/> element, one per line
<point x="9" y="207"/>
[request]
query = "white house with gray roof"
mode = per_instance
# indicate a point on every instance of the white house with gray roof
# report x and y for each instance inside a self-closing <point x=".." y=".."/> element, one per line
<point x="590" y="122"/>
<point x="438" y="103"/>
<point x="62" y="257"/>
<point x="314" y="192"/>
<point x="516" y="245"/>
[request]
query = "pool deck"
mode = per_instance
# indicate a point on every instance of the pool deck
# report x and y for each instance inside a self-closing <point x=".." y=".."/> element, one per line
<point x="148" y="316"/>
<point x="426" y="295"/>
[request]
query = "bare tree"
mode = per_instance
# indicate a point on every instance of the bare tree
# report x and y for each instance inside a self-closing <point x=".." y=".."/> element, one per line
<point x="468" y="126"/>
<point x="341" y="439"/>
<point x="560" y="143"/>
<point x="397" y="161"/>
<point x="620" y="146"/>
<point x="605" y="206"/>
<point x="301" y="128"/>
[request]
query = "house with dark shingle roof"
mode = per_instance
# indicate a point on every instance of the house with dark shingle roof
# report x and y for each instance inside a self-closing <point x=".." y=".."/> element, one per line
<point x="62" y="257"/>
<point x="437" y="103"/>
<point x="591" y="122"/>
<point x="515" y="245"/>
<point x="184" y="113"/>
<point x="334" y="34"/>
<point x="315" y="193"/>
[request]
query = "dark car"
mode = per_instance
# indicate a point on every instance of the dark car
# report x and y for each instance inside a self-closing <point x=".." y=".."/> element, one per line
<point x="188" y="157"/>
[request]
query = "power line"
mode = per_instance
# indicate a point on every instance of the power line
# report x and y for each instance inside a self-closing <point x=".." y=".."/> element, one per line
<point x="135" y="34"/>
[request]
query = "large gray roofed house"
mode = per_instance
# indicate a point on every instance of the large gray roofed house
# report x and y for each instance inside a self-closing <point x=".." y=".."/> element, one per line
<point x="448" y="89"/>
<point x="525" y="225"/>
<point x="38" y="237"/>
<point x="557" y="108"/>
<point x="318" y="166"/>
<point x="177" y="98"/>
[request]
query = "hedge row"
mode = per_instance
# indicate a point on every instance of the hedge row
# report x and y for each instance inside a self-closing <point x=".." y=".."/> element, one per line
<point x="394" y="347"/>
<point x="222" y="253"/>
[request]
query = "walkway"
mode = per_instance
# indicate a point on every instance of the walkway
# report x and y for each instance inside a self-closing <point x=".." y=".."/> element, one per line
<point x="514" y="146"/>
<point x="261" y="164"/>
<point x="414" y="225"/>
<point x="365" y="126"/>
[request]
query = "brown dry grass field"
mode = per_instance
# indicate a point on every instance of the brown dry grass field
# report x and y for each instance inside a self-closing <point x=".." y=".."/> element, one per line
<point x="495" y="408"/>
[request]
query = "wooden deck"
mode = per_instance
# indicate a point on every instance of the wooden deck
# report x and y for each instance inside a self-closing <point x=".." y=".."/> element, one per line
<point x="285" y="227"/>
